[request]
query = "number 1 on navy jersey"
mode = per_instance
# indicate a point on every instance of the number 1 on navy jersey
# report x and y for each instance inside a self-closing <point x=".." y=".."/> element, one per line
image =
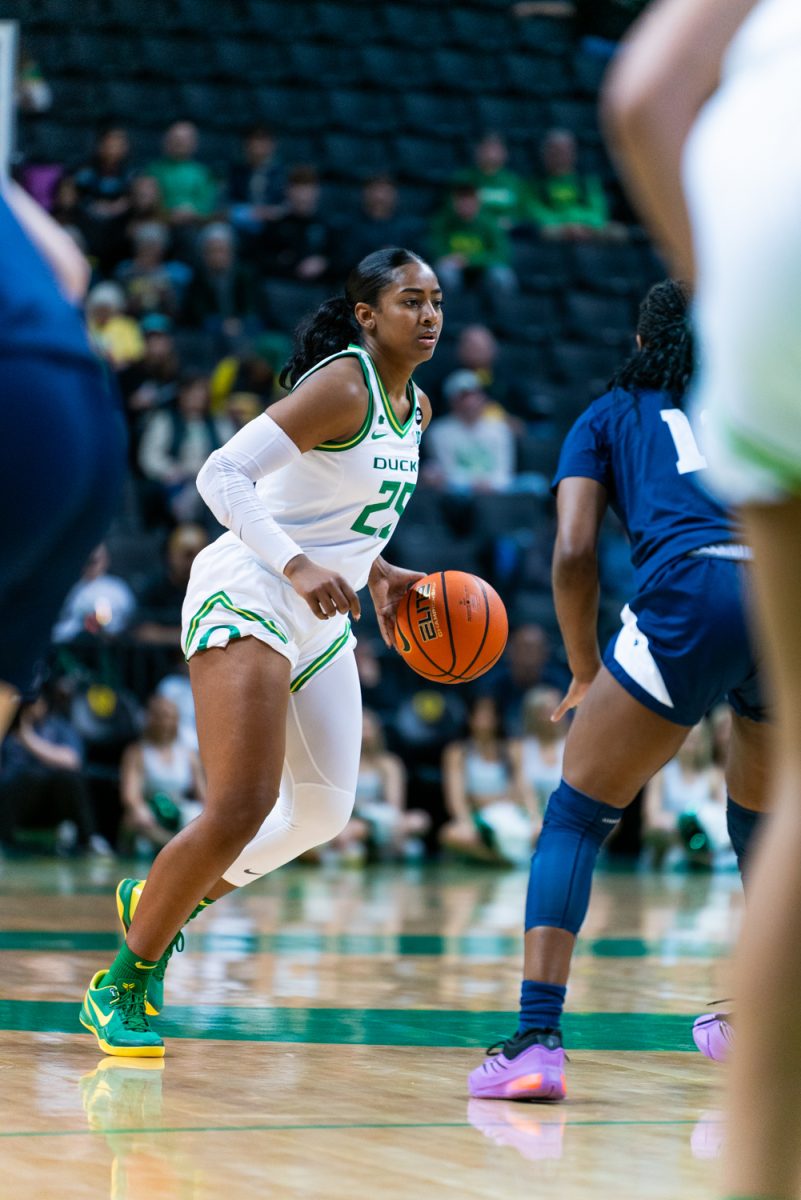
<point x="690" y="457"/>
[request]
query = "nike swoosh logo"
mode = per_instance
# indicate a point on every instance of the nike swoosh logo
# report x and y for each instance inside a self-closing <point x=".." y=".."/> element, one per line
<point x="146" y="966"/>
<point x="375" y="436"/>
<point x="406" y="643"/>
<point x="103" y="1019"/>
<point x="248" y="871"/>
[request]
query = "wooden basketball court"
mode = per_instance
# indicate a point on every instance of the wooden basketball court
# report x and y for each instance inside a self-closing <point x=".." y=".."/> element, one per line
<point x="321" y="1025"/>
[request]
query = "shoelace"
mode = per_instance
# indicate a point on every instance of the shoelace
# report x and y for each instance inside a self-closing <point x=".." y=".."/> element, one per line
<point x="498" y="1047"/>
<point x="175" y="946"/>
<point x="130" y="1003"/>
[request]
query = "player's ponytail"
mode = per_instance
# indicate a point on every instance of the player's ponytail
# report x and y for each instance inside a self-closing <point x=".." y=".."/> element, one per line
<point x="333" y="326"/>
<point x="664" y="361"/>
<point x="323" y="332"/>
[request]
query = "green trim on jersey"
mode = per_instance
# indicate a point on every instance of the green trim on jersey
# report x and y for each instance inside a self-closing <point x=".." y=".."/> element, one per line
<point x="321" y="661"/>
<point x="225" y="601"/>
<point x="411" y="395"/>
<point x="352" y="351"/>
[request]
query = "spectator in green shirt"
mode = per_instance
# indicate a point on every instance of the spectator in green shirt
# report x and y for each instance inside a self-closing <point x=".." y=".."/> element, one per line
<point x="188" y="189"/>
<point x="565" y="203"/>
<point x="502" y="192"/>
<point x="468" y="244"/>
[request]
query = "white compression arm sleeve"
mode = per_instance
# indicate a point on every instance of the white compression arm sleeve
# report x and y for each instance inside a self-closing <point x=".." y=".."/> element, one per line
<point x="226" y="482"/>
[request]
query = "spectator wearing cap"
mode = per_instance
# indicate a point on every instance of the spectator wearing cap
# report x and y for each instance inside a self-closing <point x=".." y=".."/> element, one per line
<point x="565" y="203"/>
<point x="152" y="282"/>
<point x="468" y="245"/>
<point x="223" y="298"/>
<point x="257" y="185"/>
<point x="117" y="336"/>
<point x="188" y="188"/>
<point x="503" y="193"/>
<point x="470" y="450"/>
<point x="299" y="245"/>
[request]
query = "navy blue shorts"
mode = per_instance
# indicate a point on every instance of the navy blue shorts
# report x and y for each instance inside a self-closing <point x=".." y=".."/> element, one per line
<point x="62" y="464"/>
<point x="685" y="644"/>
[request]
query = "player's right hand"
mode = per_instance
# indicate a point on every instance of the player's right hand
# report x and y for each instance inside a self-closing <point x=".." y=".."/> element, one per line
<point x="324" y="590"/>
<point x="572" y="699"/>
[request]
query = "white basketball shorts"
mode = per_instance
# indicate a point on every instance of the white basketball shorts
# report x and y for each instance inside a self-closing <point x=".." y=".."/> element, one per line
<point x="232" y="595"/>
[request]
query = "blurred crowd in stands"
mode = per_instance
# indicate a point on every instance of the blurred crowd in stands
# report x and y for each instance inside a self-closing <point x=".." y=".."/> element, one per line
<point x="199" y="276"/>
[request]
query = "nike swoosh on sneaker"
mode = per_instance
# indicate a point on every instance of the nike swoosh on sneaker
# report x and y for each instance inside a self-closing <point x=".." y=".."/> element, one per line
<point x="248" y="871"/>
<point x="102" y="1018"/>
<point x="145" y="966"/>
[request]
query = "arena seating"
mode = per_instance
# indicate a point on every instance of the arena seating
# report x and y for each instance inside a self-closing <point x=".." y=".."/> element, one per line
<point x="358" y="88"/>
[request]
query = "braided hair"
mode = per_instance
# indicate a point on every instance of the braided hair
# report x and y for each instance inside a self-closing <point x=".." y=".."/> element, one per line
<point x="334" y="325"/>
<point x="664" y="361"/>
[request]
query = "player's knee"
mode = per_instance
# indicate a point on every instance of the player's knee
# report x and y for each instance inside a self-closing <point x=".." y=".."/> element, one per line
<point x="571" y="811"/>
<point x="326" y="810"/>
<point x="238" y="818"/>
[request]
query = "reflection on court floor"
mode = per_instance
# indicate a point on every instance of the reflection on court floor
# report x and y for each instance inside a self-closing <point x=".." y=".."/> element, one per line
<point x="320" y="1028"/>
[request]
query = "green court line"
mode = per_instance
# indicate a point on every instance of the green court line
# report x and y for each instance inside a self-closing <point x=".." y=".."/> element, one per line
<point x="131" y="1132"/>
<point x="470" y="946"/>
<point x="370" y="1026"/>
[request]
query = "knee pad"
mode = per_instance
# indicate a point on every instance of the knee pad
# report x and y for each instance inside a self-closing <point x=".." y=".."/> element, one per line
<point x="560" y="879"/>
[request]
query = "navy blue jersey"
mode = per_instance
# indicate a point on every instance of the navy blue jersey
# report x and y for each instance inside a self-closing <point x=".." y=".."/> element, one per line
<point x="642" y="449"/>
<point x="34" y="314"/>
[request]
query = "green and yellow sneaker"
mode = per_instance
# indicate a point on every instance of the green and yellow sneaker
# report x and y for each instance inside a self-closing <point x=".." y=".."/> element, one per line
<point x="128" y="894"/>
<point x="118" y="1020"/>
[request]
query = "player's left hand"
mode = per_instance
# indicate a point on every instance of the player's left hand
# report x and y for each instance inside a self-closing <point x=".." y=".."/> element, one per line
<point x="387" y="586"/>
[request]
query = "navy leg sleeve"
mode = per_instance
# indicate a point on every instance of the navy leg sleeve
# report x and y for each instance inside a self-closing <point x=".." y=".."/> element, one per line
<point x="560" y="878"/>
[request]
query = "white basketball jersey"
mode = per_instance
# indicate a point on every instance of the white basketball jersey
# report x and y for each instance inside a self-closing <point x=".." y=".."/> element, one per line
<point x="341" y="501"/>
<point x="770" y="32"/>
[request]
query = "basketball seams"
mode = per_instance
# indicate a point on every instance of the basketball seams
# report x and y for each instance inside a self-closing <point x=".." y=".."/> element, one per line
<point x="429" y="668"/>
<point x="480" y="583"/>
<point x="413" y="632"/>
<point x="448" y="621"/>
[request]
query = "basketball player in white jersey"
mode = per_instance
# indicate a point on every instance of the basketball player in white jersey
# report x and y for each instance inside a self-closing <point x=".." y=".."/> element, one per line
<point x="708" y="95"/>
<point x="267" y="618"/>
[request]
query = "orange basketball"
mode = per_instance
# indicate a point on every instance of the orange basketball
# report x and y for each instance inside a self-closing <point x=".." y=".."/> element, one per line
<point x="451" y="627"/>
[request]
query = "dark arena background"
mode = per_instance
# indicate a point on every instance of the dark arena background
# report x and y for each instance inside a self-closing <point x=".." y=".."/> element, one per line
<point x="222" y="165"/>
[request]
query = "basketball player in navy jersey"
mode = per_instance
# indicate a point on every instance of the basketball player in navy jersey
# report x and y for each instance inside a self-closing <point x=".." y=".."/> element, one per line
<point x="699" y="107"/>
<point x="62" y="450"/>
<point x="684" y="647"/>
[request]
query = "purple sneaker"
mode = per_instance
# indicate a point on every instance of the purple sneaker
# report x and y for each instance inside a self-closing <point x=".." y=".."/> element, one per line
<point x="528" y="1066"/>
<point x="714" y="1035"/>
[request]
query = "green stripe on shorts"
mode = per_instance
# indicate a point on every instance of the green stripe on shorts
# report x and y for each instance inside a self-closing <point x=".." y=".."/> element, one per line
<point x="232" y="631"/>
<point x="225" y="601"/>
<point x="318" y="663"/>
